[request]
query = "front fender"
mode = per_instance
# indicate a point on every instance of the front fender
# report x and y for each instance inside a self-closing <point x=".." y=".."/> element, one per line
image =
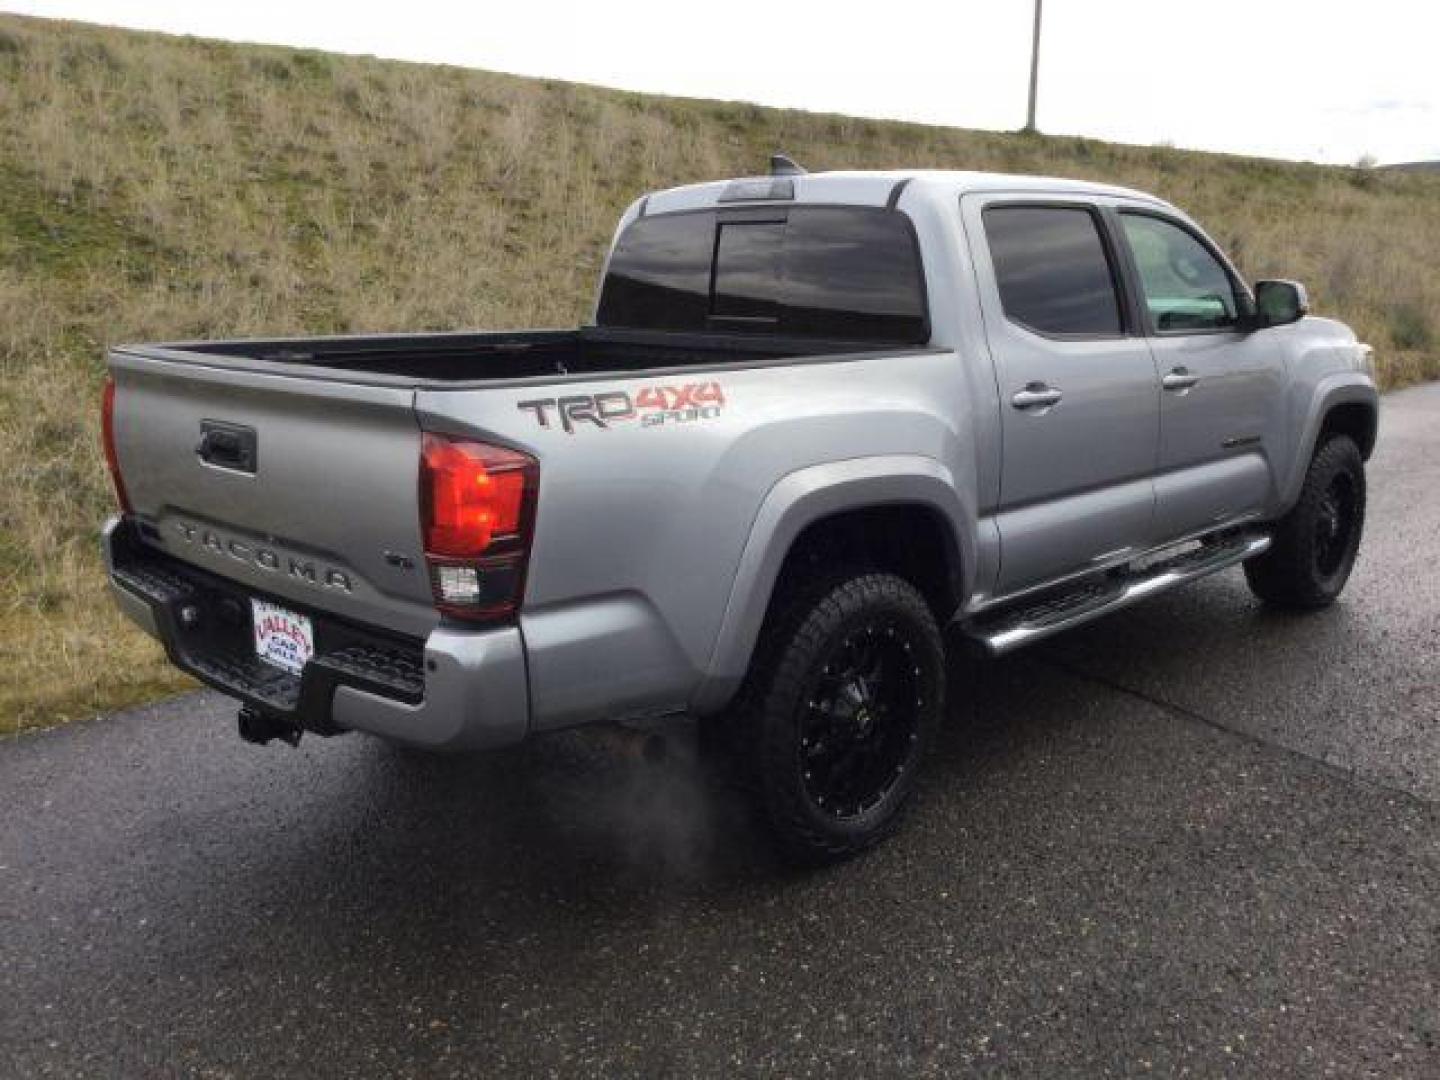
<point x="1336" y="389"/>
<point x="797" y="501"/>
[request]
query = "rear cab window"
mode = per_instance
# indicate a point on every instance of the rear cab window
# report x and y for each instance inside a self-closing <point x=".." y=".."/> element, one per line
<point x="841" y="273"/>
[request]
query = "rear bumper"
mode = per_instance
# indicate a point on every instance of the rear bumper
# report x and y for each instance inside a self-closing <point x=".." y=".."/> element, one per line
<point x="456" y="689"/>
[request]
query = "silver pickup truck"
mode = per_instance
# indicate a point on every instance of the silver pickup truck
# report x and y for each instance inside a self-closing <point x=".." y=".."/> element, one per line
<point x="819" y="421"/>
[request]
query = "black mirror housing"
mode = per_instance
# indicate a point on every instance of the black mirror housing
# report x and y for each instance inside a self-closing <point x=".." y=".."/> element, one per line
<point x="1279" y="303"/>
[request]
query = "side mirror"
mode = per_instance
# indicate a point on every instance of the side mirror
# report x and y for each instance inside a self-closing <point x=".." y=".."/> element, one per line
<point x="1279" y="303"/>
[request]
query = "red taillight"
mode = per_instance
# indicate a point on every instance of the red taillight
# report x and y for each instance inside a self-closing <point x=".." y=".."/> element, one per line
<point x="474" y="494"/>
<point x="477" y="506"/>
<point x="107" y="434"/>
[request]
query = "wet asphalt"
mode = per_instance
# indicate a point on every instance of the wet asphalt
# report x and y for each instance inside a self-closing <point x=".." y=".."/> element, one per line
<point x="1196" y="838"/>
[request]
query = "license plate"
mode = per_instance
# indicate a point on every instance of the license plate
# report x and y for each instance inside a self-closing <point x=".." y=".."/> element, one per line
<point x="282" y="637"/>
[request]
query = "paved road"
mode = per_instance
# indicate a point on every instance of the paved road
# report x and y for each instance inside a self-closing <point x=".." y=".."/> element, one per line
<point x="1196" y="837"/>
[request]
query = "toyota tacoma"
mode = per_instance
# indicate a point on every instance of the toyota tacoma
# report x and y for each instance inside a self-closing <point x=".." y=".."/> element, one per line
<point x="817" y="424"/>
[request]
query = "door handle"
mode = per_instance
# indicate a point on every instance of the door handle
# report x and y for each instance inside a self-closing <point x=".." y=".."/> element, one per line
<point x="1180" y="378"/>
<point x="227" y="446"/>
<point x="1037" y="396"/>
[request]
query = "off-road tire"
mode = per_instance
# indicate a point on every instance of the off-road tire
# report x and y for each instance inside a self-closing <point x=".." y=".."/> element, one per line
<point x="815" y="627"/>
<point x="1309" y="562"/>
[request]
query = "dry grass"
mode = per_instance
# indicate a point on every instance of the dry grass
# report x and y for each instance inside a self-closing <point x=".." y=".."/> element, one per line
<point x="155" y="188"/>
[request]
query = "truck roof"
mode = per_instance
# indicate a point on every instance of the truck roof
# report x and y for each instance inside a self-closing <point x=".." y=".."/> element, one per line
<point x="866" y="187"/>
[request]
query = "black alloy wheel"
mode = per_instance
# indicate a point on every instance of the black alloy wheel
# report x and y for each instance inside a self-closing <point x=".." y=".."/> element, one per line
<point x="844" y="693"/>
<point x="861" y="719"/>
<point x="1313" y="547"/>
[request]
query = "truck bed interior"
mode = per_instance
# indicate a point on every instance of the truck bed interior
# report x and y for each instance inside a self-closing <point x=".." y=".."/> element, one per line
<point x="486" y="357"/>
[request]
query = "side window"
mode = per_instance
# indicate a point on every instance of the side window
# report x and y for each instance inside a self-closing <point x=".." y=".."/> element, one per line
<point x="1186" y="287"/>
<point x="1052" y="270"/>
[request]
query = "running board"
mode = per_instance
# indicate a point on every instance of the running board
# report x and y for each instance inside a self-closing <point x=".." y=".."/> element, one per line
<point x="1010" y="628"/>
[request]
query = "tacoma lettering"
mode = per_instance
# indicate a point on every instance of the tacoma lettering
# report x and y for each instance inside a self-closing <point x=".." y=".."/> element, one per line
<point x="265" y="558"/>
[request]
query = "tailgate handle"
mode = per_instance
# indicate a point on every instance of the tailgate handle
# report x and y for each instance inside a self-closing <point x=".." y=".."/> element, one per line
<point x="227" y="446"/>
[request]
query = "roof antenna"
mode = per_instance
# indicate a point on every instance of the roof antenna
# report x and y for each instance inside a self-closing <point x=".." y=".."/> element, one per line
<point x="783" y="165"/>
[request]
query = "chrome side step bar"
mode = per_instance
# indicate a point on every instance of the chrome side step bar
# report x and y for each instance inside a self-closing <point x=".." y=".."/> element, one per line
<point x="1011" y="628"/>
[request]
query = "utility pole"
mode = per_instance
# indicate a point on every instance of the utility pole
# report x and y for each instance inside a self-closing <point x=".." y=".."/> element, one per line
<point x="1034" y="71"/>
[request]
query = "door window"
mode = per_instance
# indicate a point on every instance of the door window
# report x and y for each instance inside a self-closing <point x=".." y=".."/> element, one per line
<point x="1052" y="270"/>
<point x="1186" y="287"/>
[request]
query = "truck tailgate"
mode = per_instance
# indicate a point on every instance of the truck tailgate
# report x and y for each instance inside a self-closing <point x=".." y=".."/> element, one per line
<point x="306" y="489"/>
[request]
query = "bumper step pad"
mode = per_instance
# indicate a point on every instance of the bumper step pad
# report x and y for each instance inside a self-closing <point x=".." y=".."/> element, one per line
<point x="204" y="623"/>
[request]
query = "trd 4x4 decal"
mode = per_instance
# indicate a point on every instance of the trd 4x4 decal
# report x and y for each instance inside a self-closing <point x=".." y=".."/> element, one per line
<point x="651" y="406"/>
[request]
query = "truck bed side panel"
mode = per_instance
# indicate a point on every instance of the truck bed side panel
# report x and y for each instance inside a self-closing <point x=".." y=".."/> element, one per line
<point x="641" y="522"/>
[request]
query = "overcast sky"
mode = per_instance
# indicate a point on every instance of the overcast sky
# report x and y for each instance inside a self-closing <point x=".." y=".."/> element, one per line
<point x="1322" y="80"/>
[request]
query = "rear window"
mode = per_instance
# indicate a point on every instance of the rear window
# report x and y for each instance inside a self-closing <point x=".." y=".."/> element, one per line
<point x="749" y="265"/>
<point x="1052" y="270"/>
<point x="849" y="273"/>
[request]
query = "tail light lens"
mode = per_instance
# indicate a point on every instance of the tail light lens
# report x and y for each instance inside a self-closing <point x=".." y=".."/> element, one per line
<point x="107" y="434"/>
<point x="477" y="513"/>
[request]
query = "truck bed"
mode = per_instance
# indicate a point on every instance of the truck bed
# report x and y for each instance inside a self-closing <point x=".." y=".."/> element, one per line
<point x="324" y="438"/>
<point x="486" y="358"/>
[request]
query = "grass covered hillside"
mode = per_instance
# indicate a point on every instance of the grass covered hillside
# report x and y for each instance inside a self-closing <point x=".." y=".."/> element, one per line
<point x="155" y="187"/>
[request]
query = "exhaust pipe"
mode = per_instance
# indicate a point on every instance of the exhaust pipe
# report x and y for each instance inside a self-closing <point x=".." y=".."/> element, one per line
<point x="633" y="745"/>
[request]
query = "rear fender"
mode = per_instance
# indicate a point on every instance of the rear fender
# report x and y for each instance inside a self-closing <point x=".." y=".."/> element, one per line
<point x="795" y="502"/>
